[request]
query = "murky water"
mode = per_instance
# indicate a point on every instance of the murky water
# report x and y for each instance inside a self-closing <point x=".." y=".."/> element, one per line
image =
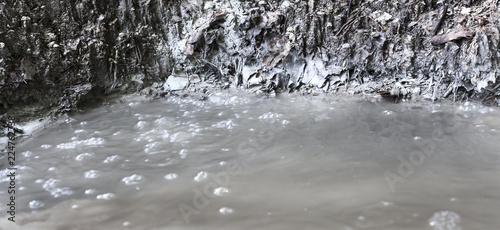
<point x="244" y="162"/>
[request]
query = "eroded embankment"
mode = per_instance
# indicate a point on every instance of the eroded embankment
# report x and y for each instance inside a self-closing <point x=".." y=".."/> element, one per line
<point x="58" y="56"/>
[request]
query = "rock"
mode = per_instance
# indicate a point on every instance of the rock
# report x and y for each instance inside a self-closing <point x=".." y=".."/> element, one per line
<point x="451" y="36"/>
<point x="176" y="83"/>
<point x="465" y="11"/>
<point x="381" y="17"/>
<point x="28" y="68"/>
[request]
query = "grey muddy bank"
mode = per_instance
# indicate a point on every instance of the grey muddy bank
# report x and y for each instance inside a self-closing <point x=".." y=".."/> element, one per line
<point x="59" y="56"/>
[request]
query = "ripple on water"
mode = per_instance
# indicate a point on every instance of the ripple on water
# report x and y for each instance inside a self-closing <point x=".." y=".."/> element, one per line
<point x="201" y="176"/>
<point x="46" y="146"/>
<point x="106" y="196"/>
<point x="270" y="116"/>
<point x="83" y="156"/>
<point x="180" y="137"/>
<point x="445" y="220"/>
<point x="183" y="153"/>
<point x="51" y="185"/>
<point x="164" y="134"/>
<point x="227" y="124"/>
<point x="94" y="141"/>
<point x="132" y="179"/>
<point x="221" y="191"/>
<point x="141" y="125"/>
<point x="36" y="204"/>
<point x="165" y="122"/>
<point x="91" y="174"/>
<point x="27" y="154"/>
<point x="171" y="176"/>
<point x="226" y="211"/>
<point x="152" y="148"/>
<point x="110" y="159"/>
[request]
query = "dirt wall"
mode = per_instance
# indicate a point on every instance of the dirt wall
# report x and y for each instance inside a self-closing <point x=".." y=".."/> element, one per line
<point x="59" y="56"/>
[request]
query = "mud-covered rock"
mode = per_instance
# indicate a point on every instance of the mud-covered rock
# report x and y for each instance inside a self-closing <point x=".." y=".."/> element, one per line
<point x="176" y="83"/>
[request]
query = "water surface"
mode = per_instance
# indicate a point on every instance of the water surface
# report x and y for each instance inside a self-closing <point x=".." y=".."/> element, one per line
<point x="247" y="162"/>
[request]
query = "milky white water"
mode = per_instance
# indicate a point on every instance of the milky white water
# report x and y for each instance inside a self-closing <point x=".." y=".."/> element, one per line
<point x="247" y="162"/>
